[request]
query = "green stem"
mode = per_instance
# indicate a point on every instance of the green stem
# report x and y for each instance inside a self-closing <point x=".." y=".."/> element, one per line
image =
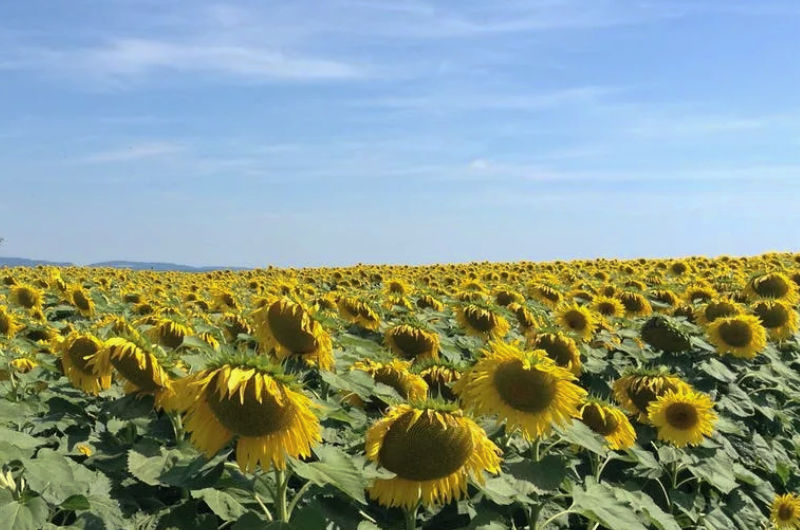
<point x="297" y="497"/>
<point x="281" y="484"/>
<point x="535" y="449"/>
<point x="411" y="518"/>
<point x="556" y="516"/>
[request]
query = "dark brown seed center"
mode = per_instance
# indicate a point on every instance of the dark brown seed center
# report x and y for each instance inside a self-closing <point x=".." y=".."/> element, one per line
<point x="526" y="390"/>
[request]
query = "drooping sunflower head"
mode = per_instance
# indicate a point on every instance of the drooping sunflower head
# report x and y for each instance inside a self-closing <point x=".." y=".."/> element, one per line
<point x="137" y="364"/>
<point x="169" y="333"/>
<point x="664" y="334"/>
<point x="635" y="304"/>
<point x="718" y="308"/>
<point x="249" y="400"/>
<point x="26" y="296"/>
<point x="785" y="512"/>
<point x="8" y="324"/>
<point x="23" y="365"/>
<point x="777" y="316"/>
<point x="482" y="322"/>
<point x="562" y="349"/>
<point x="527" y="321"/>
<point x="682" y="417"/>
<point x="774" y="285"/>
<point x="412" y="342"/>
<point x="429" y="302"/>
<point x="81" y="300"/>
<point x="699" y="293"/>
<point x="665" y="297"/>
<point x="637" y="389"/>
<point x="397" y="288"/>
<point x="526" y="389"/>
<point x="742" y="336"/>
<point x="233" y="325"/>
<point x="433" y="450"/>
<point x="608" y="421"/>
<point x="578" y="320"/>
<point x="505" y="297"/>
<point x="608" y="306"/>
<point x="358" y="312"/>
<point x="439" y="376"/>
<point x="225" y="300"/>
<point x="395" y="374"/>
<point x="77" y="353"/>
<point x="286" y="329"/>
<point x="545" y="294"/>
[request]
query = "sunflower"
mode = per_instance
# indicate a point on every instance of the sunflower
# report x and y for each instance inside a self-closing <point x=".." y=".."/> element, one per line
<point x="411" y="342"/>
<point x="635" y="304"/>
<point x="77" y="352"/>
<point x="683" y="417"/>
<point x="428" y="302"/>
<point x="77" y="297"/>
<point x="742" y="336"/>
<point x="26" y="296"/>
<point x="23" y="365"/>
<point x="562" y="349"/>
<point x="608" y="306"/>
<point x="578" y="320"/>
<point x="357" y="312"/>
<point x="433" y="450"/>
<point x="663" y="334"/>
<point x="482" y="322"/>
<point x="665" y="297"/>
<point x="395" y="374"/>
<point x="636" y="390"/>
<point x="774" y="285"/>
<point x="8" y="324"/>
<point x="287" y="329"/>
<point x="169" y="333"/>
<point x="777" y="316"/>
<point x="545" y="294"/>
<point x="439" y="375"/>
<point x="137" y="365"/>
<point x="609" y="422"/>
<point x="526" y="320"/>
<point x="714" y="309"/>
<point x="255" y="404"/>
<point x="505" y="297"/>
<point x="785" y="512"/>
<point x="526" y="389"/>
<point x="397" y="288"/>
<point x="699" y="293"/>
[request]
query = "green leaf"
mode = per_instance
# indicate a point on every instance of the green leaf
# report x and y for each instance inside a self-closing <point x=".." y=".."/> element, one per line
<point x="335" y="467"/>
<point x="148" y="468"/>
<point x="30" y="515"/>
<point x="599" y="503"/>
<point x="579" y="434"/>
<point x="250" y="521"/>
<point x="545" y="475"/>
<point x="76" y="502"/>
<point x="716" y="471"/>
<point x="222" y="504"/>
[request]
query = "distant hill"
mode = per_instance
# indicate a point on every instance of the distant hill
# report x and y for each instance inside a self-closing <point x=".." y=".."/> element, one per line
<point x="24" y="262"/>
<point x="117" y="264"/>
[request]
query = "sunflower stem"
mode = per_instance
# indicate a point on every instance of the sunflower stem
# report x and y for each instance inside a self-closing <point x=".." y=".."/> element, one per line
<point x="556" y="516"/>
<point x="535" y="449"/>
<point x="297" y="497"/>
<point x="281" y="484"/>
<point x="411" y="518"/>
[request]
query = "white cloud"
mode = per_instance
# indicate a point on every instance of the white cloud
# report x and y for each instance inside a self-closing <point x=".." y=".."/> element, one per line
<point x="133" y="152"/>
<point x="134" y="58"/>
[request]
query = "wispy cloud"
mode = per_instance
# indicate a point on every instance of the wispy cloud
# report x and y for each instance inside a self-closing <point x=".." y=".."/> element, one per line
<point x="133" y="152"/>
<point x="137" y="58"/>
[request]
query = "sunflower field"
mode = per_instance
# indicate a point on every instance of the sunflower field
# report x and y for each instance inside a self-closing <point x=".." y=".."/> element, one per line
<point x="594" y="394"/>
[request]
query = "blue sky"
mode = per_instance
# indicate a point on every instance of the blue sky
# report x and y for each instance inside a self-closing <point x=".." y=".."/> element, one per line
<point x="330" y="133"/>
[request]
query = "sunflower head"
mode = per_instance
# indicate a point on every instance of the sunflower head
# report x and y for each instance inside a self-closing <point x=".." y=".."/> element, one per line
<point x="412" y="342"/>
<point x="774" y="285"/>
<point x="562" y="349"/>
<point x="169" y="333"/>
<point x="78" y="352"/>
<point x="682" y="417"/>
<point x="439" y="375"/>
<point x="137" y="364"/>
<point x="433" y="449"/>
<point x="742" y="336"/>
<point x="26" y="296"/>
<point x="545" y="294"/>
<point x="247" y="399"/>
<point x="504" y="297"/>
<point x="714" y="309"/>
<point x="526" y="389"/>
<point x="636" y="390"/>
<point x="526" y="320"/>
<point x="287" y="329"/>
<point x="395" y="374"/>
<point x="482" y="322"/>
<point x="777" y="316"/>
<point x="80" y="299"/>
<point x="608" y="306"/>
<point x="428" y="302"/>
<point x="358" y="312"/>
<point x="8" y="324"/>
<point x="663" y="334"/>
<point x="635" y="304"/>
<point x="578" y="320"/>
<point x="785" y="512"/>
<point x="609" y="422"/>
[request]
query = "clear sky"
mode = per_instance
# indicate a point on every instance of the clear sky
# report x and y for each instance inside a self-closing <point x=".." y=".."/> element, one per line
<point x="343" y="131"/>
